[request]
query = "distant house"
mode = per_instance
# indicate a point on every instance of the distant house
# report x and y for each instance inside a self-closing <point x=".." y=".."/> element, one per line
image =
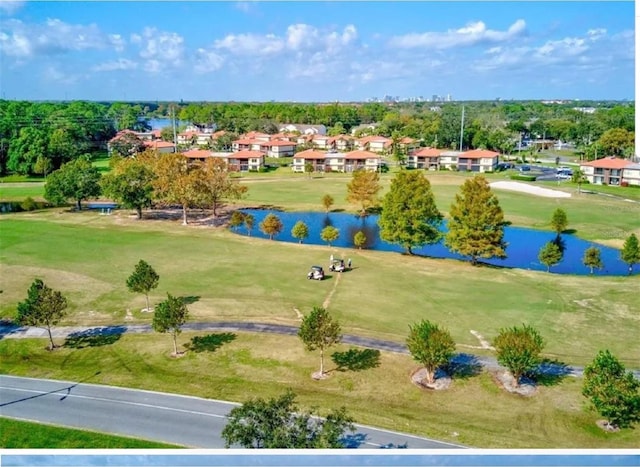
<point x="425" y="158"/>
<point x="364" y="126"/>
<point x="310" y="156"/>
<point x="341" y="142"/>
<point x="243" y="161"/>
<point x="377" y="144"/>
<point x="449" y="159"/>
<point x="320" y="141"/>
<point x="478" y="160"/>
<point x="163" y="147"/>
<point x="303" y="129"/>
<point x="610" y="171"/>
<point x="362" y="160"/>
<point x="197" y="155"/>
<point x="275" y="148"/>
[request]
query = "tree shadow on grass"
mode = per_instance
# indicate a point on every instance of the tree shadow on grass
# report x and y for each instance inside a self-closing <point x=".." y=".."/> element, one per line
<point x="550" y="372"/>
<point x="210" y="342"/>
<point x="95" y="337"/>
<point x="463" y="366"/>
<point x="356" y="360"/>
<point x="190" y="299"/>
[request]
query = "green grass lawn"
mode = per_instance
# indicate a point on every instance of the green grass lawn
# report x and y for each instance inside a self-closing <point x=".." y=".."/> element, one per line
<point x="18" y="434"/>
<point x="474" y="411"/>
<point x="22" y="190"/>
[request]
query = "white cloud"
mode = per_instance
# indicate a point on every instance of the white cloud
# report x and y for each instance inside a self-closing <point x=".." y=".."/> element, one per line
<point x="11" y="6"/>
<point x="469" y="35"/>
<point x="207" y="61"/>
<point x="53" y="74"/>
<point x="250" y="44"/>
<point x="25" y="41"/>
<point x="116" y="65"/>
<point x="160" y="50"/>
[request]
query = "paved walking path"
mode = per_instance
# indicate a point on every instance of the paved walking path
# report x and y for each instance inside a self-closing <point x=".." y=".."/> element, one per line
<point x="11" y="331"/>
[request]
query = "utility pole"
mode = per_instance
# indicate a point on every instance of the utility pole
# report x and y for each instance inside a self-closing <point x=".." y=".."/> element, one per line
<point x="461" y="128"/>
<point x="173" y="121"/>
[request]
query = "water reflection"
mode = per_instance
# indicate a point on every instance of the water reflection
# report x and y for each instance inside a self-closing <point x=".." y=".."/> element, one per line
<point x="522" y="250"/>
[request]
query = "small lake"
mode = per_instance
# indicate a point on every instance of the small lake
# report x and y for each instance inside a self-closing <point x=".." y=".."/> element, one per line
<point x="522" y="249"/>
<point x="160" y="123"/>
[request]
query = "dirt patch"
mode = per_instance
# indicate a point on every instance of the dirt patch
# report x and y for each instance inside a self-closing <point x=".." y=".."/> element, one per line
<point x="504" y="379"/>
<point x="604" y="425"/>
<point x="442" y="380"/>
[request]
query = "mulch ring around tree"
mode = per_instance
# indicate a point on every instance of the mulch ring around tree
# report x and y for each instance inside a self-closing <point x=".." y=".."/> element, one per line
<point x="442" y="380"/>
<point x="504" y="379"/>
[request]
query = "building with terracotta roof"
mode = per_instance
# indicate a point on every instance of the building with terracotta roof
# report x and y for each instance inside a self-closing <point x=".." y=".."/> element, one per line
<point x="163" y="147"/>
<point x="246" y="161"/>
<point x="610" y="171"/>
<point x="478" y="160"/>
<point x="335" y="161"/>
<point x="310" y="156"/>
<point x="425" y="158"/>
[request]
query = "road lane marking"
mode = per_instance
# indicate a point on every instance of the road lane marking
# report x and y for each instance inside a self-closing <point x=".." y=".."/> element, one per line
<point x="137" y="404"/>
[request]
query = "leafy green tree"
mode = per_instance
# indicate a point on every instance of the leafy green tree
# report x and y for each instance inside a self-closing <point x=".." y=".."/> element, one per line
<point x="550" y="255"/>
<point x="278" y="423"/>
<point x="169" y="316"/>
<point x="592" y="258"/>
<point x="236" y="220"/>
<point x="616" y="142"/>
<point x="249" y="221"/>
<point x="431" y="346"/>
<point x="300" y="231"/>
<point x="579" y="178"/>
<point x="143" y="279"/>
<point x="327" y="202"/>
<point x="518" y="349"/>
<point x="127" y="144"/>
<point x="130" y="183"/>
<point x="359" y="239"/>
<point x="409" y="216"/>
<point x="630" y="253"/>
<point x="308" y="169"/>
<point x="559" y="221"/>
<point x="215" y="184"/>
<point x="612" y="391"/>
<point x="43" y="308"/>
<point x="330" y="234"/>
<point x="476" y="227"/>
<point x="177" y="182"/>
<point x="319" y="331"/>
<point x="24" y="150"/>
<point x="363" y="189"/>
<point x="77" y="180"/>
<point x="271" y="225"/>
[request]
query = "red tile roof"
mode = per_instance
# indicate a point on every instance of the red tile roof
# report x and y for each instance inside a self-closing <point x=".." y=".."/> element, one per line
<point x="310" y="154"/>
<point x="278" y="143"/>
<point x="248" y="141"/>
<point x="608" y="163"/>
<point x="428" y="152"/>
<point x="361" y="155"/>
<point x="158" y="144"/>
<point x="246" y="154"/>
<point x="478" y="154"/>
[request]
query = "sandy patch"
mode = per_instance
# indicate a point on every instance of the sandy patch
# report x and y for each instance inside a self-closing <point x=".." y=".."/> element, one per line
<point x="530" y="189"/>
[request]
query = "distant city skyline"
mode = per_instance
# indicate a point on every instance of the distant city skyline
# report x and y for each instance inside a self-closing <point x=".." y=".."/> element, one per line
<point x="317" y="51"/>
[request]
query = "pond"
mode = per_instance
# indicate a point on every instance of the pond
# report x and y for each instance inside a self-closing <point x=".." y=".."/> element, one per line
<point x="522" y="250"/>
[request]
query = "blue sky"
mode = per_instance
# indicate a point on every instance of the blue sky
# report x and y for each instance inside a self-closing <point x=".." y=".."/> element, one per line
<point x="316" y="51"/>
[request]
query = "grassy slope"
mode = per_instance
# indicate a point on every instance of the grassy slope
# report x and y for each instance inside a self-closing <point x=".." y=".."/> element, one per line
<point x="18" y="434"/>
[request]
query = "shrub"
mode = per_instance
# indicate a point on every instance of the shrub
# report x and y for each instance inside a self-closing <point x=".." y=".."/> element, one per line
<point x="29" y="204"/>
<point x="524" y="178"/>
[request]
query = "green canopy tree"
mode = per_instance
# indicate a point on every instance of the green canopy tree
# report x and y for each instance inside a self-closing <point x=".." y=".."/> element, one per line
<point x="143" y="279"/>
<point x="409" y="216"/>
<point x="216" y="185"/>
<point x="300" y="231"/>
<point x="43" y="308"/>
<point x="130" y="183"/>
<point x="359" y="239"/>
<point x="579" y="178"/>
<point x="592" y="258"/>
<point x="169" y="317"/>
<point x="518" y="349"/>
<point x="559" y="221"/>
<point x="612" y="391"/>
<point x="431" y="346"/>
<point x="127" y="144"/>
<point x="550" y="255"/>
<point x="476" y="225"/>
<point x="630" y="253"/>
<point x="77" y="180"/>
<point x="330" y="234"/>
<point x="616" y="142"/>
<point x="271" y="225"/>
<point x="319" y="331"/>
<point x="327" y="202"/>
<point x="278" y="423"/>
<point x="363" y="189"/>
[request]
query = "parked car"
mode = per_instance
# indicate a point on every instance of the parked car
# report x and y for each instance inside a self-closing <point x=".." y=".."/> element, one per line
<point x="316" y="273"/>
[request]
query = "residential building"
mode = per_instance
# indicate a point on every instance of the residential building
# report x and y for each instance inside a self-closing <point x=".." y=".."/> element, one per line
<point x="275" y="148"/>
<point x="478" y="160"/>
<point x="449" y="159"/>
<point x="607" y="171"/>
<point x="377" y="144"/>
<point x="631" y="175"/>
<point x="361" y="160"/>
<point x="334" y="161"/>
<point x="243" y="161"/>
<point x="163" y="147"/>
<point x="197" y="155"/>
<point x="303" y="129"/>
<point x="310" y="156"/>
<point x="425" y="158"/>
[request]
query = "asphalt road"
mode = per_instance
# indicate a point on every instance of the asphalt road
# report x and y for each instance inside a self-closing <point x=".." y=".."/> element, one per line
<point x="170" y="418"/>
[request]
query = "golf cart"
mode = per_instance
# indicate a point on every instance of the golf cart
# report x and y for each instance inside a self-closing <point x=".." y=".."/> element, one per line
<point x="316" y="273"/>
<point x="337" y="265"/>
